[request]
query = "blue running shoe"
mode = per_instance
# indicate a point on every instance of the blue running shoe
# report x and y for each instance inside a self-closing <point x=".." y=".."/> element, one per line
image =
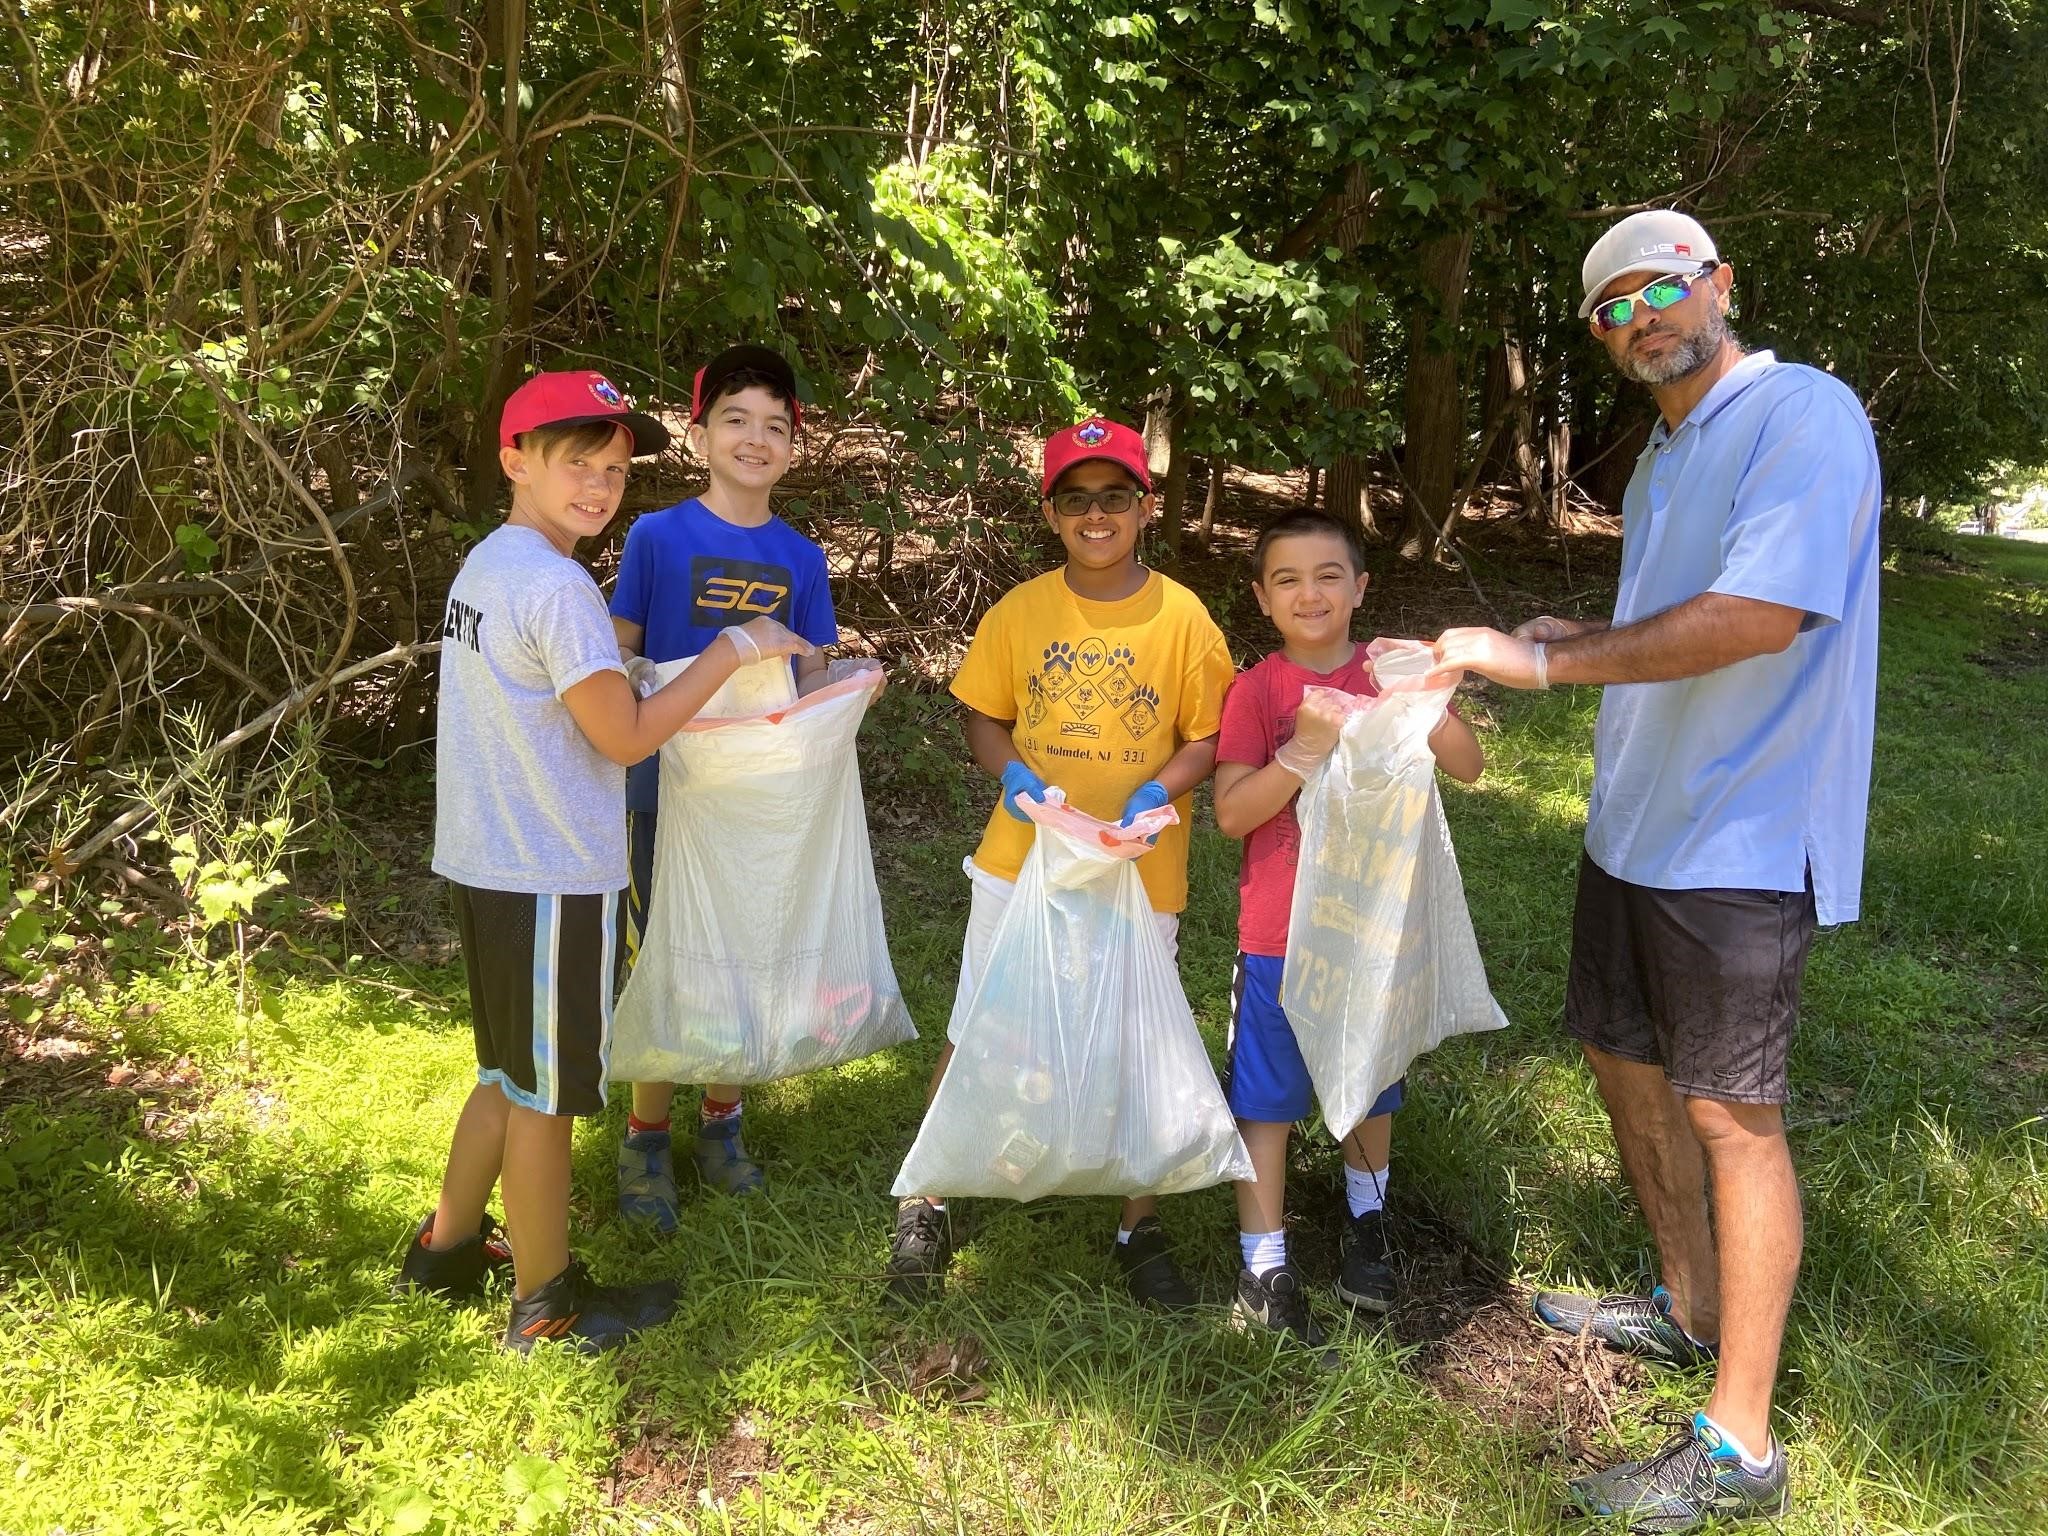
<point x="722" y="1161"/>
<point x="1697" y="1477"/>
<point x="1635" y="1325"/>
<point x="647" y="1180"/>
<point x="590" y="1318"/>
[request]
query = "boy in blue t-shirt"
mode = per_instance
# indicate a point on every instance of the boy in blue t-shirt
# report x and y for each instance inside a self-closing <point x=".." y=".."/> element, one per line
<point x="689" y="571"/>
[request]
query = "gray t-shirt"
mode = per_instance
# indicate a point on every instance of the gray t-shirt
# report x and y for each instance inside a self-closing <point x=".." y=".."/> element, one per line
<point x="523" y="801"/>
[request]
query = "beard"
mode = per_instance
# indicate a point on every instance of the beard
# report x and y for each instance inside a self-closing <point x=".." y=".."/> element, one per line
<point x="1693" y="351"/>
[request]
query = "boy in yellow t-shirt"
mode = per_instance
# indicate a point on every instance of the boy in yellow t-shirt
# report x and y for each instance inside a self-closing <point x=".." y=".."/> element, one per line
<point x="1107" y="680"/>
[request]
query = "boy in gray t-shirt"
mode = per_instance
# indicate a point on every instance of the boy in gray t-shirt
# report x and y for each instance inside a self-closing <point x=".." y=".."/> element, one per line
<point x="537" y="723"/>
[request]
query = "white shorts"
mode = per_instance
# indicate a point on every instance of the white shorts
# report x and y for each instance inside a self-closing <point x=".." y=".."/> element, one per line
<point x="991" y="897"/>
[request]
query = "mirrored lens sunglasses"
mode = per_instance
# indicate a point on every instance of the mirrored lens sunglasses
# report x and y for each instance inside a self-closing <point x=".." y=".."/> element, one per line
<point x="1661" y="293"/>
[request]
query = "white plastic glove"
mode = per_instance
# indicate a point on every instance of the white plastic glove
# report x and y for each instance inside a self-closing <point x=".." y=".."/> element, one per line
<point x="759" y="639"/>
<point x="1318" y="722"/>
<point x="642" y="676"/>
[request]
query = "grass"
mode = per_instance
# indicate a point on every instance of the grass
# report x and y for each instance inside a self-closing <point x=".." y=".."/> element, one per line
<point x="195" y="1240"/>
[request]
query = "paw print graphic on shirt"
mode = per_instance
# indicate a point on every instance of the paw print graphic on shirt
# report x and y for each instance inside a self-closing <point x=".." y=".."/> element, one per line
<point x="1117" y="684"/>
<point x="1058" y="670"/>
<point x="1141" y="715"/>
<point x="1059" y="654"/>
<point x="1034" y="701"/>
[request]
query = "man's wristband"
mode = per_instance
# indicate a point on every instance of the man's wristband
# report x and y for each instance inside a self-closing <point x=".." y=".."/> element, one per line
<point x="1542" y="665"/>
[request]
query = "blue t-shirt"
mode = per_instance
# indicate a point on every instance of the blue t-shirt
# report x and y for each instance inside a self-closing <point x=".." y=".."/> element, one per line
<point x="1752" y="775"/>
<point x="687" y="573"/>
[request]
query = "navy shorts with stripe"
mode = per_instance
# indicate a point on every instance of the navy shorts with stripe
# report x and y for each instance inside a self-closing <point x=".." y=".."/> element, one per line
<point x="1266" y="1080"/>
<point x="540" y="994"/>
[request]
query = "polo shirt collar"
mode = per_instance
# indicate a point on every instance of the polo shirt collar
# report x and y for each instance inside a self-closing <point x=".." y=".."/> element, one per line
<point x="1726" y="388"/>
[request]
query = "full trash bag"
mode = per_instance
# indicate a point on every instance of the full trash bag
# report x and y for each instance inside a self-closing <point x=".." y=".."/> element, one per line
<point x="763" y="953"/>
<point x="1382" y="963"/>
<point x="1077" y="1068"/>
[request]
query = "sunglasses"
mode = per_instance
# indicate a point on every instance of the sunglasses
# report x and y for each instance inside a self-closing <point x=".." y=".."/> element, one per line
<point x="1661" y="293"/>
<point x="1118" y="498"/>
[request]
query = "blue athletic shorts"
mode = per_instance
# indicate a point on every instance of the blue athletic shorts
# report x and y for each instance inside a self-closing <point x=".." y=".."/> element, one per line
<point x="1266" y="1079"/>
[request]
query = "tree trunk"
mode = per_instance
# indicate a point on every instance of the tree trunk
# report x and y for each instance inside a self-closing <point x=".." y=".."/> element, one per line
<point x="1315" y="484"/>
<point x="1344" y="487"/>
<point x="1174" y="493"/>
<point x="1435" y="416"/>
<point x="1522" y="458"/>
<point x="515" y="262"/>
<point x="1219" y="468"/>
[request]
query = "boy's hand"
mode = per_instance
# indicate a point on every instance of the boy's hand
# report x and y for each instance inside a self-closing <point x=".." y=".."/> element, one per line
<point x="759" y="639"/>
<point x="1148" y="796"/>
<point x="1318" y="722"/>
<point x="641" y="674"/>
<point x="1020" y="780"/>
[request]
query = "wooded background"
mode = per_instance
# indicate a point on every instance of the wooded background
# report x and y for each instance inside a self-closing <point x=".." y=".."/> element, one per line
<point x="268" y="270"/>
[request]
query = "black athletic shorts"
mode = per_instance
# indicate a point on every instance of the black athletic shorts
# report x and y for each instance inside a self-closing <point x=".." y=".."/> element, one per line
<point x="540" y="994"/>
<point x="1703" y="983"/>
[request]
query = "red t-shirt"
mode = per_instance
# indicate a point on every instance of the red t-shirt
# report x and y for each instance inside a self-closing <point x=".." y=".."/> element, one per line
<point x="1258" y="716"/>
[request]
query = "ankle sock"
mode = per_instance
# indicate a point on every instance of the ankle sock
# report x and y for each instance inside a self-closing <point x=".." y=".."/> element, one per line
<point x="1123" y="1235"/>
<point x="635" y="1126"/>
<point x="1735" y="1445"/>
<point x="1365" y="1190"/>
<point x="719" y="1109"/>
<point x="1263" y="1251"/>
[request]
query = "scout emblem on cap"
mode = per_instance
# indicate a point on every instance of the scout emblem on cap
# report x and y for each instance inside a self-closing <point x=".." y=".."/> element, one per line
<point x="607" y="393"/>
<point x="1090" y="433"/>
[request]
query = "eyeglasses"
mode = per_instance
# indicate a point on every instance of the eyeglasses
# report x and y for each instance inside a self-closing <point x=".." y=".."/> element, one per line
<point x="1660" y="293"/>
<point x="1118" y="498"/>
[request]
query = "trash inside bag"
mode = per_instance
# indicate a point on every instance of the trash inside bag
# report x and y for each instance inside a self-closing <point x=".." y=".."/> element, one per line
<point x="1382" y="963"/>
<point x="763" y="953"/>
<point x="1077" y="1068"/>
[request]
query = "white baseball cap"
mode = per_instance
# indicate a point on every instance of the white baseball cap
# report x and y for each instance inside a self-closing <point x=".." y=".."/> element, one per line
<point x="1660" y="240"/>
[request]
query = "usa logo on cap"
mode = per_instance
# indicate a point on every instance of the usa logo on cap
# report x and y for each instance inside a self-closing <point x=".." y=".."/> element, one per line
<point x="1091" y="433"/>
<point x="607" y="393"/>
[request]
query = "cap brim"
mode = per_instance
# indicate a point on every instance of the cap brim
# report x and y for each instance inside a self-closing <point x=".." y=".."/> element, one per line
<point x="649" y="435"/>
<point x="1647" y="264"/>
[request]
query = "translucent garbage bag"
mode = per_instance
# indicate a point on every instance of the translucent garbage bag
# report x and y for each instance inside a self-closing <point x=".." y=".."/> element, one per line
<point x="1077" y="1068"/>
<point x="763" y="954"/>
<point x="1382" y="963"/>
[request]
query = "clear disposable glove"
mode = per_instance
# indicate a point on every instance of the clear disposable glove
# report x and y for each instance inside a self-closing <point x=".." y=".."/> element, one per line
<point x="1543" y="628"/>
<point x="759" y="639"/>
<point x="641" y="674"/>
<point x="1020" y="780"/>
<point x="1317" y="724"/>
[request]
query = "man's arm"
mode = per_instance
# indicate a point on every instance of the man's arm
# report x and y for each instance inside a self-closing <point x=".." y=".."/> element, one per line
<point x="1700" y="635"/>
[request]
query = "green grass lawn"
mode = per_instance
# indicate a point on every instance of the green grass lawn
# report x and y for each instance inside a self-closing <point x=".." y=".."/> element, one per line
<point x="197" y="1226"/>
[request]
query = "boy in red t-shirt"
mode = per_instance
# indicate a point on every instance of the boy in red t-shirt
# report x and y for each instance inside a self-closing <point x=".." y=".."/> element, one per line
<point x="1310" y="581"/>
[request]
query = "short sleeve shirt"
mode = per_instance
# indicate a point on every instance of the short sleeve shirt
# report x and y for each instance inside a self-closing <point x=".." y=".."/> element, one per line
<point x="1103" y="695"/>
<point x="522" y="800"/>
<point x="1258" y="719"/>
<point x="1752" y="775"/>
<point x="687" y="573"/>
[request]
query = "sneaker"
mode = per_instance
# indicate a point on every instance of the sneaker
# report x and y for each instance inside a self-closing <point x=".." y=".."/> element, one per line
<point x="1695" y="1478"/>
<point x="647" y="1180"/>
<point x="722" y="1161"/>
<point x="1364" y="1278"/>
<point x="1277" y="1302"/>
<point x="586" y="1316"/>
<point x="459" y="1273"/>
<point x="919" y="1253"/>
<point x="1636" y="1325"/>
<point x="1155" y="1280"/>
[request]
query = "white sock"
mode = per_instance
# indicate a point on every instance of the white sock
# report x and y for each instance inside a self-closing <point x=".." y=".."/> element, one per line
<point x="1123" y="1235"/>
<point x="937" y="1205"/>
<point x="1740" y="1449"/>
<point x="1262" y="1250"/>
<point x="1365" y="1191"/>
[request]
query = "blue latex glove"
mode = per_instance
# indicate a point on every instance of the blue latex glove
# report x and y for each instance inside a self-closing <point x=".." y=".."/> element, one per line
<point x="1019" y="780"/>
<point x="1148" y="796"/>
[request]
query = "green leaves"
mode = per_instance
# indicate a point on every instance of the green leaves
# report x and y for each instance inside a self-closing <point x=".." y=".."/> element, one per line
<point x="539" y="1491"/>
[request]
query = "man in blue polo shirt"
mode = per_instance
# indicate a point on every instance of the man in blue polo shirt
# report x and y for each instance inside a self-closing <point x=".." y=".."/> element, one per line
<point x="1731" y="773"/>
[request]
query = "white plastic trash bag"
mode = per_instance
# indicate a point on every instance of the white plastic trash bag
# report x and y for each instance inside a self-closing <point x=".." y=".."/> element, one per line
<point x="1077" y="1068"/>
<point x="1381" y="960"/>
<point x="763" y="954"/>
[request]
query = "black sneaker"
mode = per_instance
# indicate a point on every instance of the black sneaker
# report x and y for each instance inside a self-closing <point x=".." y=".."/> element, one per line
<point x="1155" y="1280"/>
<point x="588" y="1317"/>
<point x="1635" y="1325"/>
<point x="459" y="1273"/>
<point x="919" y="1252"/>
<point x="1277" y="1302"/>
<point x="1695" y="1478"/>
<point x="1364" y="1278"/>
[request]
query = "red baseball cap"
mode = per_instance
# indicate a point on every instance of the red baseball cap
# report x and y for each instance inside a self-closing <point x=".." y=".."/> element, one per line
<point x="569" y="400"/>
<point x="1096" y="438"/>
<point x="743" y="359"/>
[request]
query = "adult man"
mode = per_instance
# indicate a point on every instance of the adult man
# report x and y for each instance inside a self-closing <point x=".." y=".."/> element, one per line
<point x="1731" y="775"/>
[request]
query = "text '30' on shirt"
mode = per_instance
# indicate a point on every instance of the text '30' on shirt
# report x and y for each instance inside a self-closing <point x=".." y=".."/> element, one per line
<point x="686" y="573"/>
<point x="523" y="801"/>
<point x="1258" y="719"/>
<point x="1752" y="774"/>
<point x="1103" y="695"/>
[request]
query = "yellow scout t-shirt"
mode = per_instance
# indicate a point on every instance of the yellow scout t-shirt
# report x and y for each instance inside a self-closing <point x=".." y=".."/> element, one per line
<point x="1103" y="694"/>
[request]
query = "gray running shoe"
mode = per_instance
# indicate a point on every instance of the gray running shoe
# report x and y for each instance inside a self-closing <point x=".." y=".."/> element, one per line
<point x="722" y="1161"/>
<point x="1635" y="1325"/>
<point x="647" y="1180"/>
<point x="919" y="1253"/>
<point x="1695" y="1478"/>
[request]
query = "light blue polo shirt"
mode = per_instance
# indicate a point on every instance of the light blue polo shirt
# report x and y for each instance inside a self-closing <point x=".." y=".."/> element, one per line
<point x="1753" y="774"/>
